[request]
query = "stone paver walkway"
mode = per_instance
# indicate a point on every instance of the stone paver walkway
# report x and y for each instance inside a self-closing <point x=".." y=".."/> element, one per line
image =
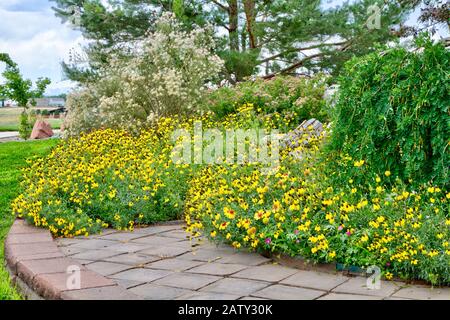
<point x="160" y="262"/>
<point x="7" y="136"/>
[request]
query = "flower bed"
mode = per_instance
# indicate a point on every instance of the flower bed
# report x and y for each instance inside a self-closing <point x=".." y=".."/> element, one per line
<point x="322" y="206"/>
<point x="105" y="178"/>
<point x="305" y="209"/>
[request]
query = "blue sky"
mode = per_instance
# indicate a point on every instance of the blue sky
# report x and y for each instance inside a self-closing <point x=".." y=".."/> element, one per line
<point x="38" y="42"/>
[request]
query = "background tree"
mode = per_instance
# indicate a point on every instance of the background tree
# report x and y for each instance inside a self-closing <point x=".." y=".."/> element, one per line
<point x="264" y="37"/>
<point x="16" y="88"/>
<point x="432" y="13"/>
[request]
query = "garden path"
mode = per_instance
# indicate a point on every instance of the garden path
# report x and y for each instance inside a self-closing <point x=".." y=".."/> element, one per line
<point x="160" y="262"/>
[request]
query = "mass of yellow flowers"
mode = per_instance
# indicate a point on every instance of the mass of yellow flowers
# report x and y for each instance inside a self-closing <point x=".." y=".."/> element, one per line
<point x="326" y="208"/>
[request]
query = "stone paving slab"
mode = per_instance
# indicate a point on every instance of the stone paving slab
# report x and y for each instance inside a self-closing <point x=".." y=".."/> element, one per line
<point x="129" y="247"/>
<point x="176" y="265"/>
<point x="93" y="244"/>
<point x="252" y="298"/>
<point x="107" y="268"/>
<point x="423" y="293"/>
<point x="358" y="286"/>
<point x="208" y="296"/>
<point x="168" y="251"/>
<point x="64" y="242"/>
<point x="120" y="236"/>
<point x="157" y="229"/>
<point x="141" y="274"/>
<point x="248" y="259"/>
<point x="103" y="293"/>
<point x="156" y="292"/>
<point x="28" y="269"/>
<point x="95" y="254"/>
<point x="177" y="234"/>
<point x="20" y="226"/>
<point x="24" y="238"/>
<point x="240" y="287"/>
<point x="52" y="285"/>
<point x="133" y="259"/>
<point x="206" y="255"/>
<point x="12" y="261"/>
<point x="156" y="240"/>
<point x="70" y="251"/>
<point x="188" y="280"/>
<point x="345" y="296"/>
<point x="128" y="284"/>
<point x="315" y="280"/>
<point x="218" y="269"/>
<point x="272" y="273"/>
<point x="282" y="292"/>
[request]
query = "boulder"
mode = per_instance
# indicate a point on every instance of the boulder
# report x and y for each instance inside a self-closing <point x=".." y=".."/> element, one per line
<point x="41" y="130"/>
<point x="303" y="133"/>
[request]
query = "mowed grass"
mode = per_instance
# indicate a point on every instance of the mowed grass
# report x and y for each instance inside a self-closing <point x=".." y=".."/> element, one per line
<point x="9" y="119"/>
<point x="13" y="156"/>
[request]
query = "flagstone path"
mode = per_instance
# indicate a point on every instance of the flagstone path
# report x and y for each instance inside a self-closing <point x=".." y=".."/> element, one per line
<point x="160" y="262"/>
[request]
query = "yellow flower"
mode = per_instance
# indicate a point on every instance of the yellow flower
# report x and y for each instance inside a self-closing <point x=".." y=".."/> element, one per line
<point x="229" y="213"/>
<point x="359" y="163"/>
<point x="387" y="173"/>
<point x="236" y="244"/>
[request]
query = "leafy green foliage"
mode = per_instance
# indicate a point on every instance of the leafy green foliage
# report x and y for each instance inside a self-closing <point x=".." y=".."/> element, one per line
<point x="26" y="124"/>
<point x="393" y="111"/>
<point x="274" y="36"/>
<point x="16" y="87"/>
<point x="284" y="97"/>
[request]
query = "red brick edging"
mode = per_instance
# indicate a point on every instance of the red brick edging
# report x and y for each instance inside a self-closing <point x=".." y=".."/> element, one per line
<point x="41" y="271"/>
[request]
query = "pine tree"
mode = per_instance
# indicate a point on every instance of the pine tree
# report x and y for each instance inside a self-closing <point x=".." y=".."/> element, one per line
<point x="255" y="36"/>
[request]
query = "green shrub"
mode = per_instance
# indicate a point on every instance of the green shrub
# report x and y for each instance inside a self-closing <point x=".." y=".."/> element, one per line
<point x="393" y="111"/>
<point x="300" y="98"/>
<point x="26" y="123"/>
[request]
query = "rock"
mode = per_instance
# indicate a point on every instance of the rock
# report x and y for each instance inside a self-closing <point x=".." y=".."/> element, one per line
<point x="330" y="95"/>
<point x="303" y="133"/>
<point x="41" y="130"/>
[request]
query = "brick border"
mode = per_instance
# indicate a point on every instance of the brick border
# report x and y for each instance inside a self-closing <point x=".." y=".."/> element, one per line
<point x="40" y="270"/>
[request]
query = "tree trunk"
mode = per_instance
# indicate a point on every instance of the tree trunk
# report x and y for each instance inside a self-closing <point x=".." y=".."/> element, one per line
<point x="233" y="12"/>
<point x="250" y="14"/>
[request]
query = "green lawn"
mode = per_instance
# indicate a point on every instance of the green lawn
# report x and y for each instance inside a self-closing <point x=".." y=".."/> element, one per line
<point x="9" y="119"/>
<point x="12" y="158"/>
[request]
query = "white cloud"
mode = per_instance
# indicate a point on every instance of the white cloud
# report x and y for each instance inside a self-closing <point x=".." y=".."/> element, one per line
<point x="35" y="39"/>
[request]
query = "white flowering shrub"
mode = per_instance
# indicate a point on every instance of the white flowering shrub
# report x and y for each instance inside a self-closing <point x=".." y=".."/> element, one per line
<point x="167" y="73"/>
<point x="82" y="112"/>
